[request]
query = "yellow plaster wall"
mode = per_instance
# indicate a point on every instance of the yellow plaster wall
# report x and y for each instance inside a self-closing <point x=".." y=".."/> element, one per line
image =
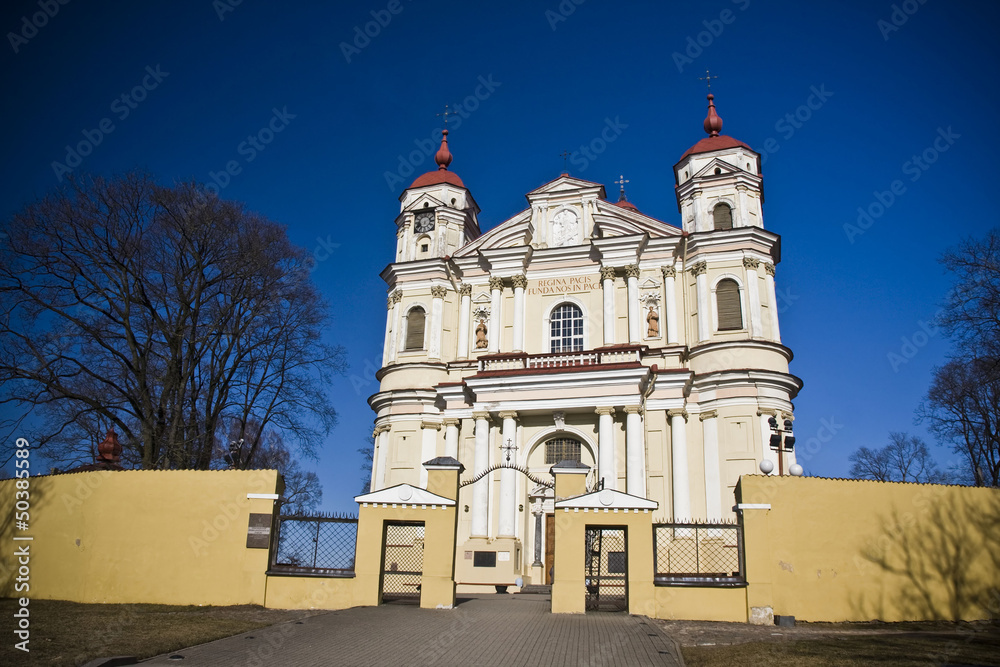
<point x="849" y="550"/>
<point x="166" y="537"/>
<point x="700" y="604"/>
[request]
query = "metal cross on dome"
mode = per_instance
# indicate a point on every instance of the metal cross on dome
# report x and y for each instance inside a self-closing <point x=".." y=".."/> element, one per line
<point x="565" y="156"/>
<point x="622" y="181"/>
<point x="508" y="448"/>
<point x="447" y="112"/>
<point x="707" y="79"/>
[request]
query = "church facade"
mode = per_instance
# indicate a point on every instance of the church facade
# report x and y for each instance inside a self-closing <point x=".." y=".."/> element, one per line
<point x="582" y="329"/>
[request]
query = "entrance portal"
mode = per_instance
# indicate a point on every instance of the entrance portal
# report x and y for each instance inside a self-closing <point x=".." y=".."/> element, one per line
<point x="606" y="563"/>
<point x="402" y="562"/>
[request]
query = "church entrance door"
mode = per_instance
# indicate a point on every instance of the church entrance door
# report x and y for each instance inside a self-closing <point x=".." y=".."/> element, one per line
<point x="402" y="562"/>
<point x="550" y="546"/>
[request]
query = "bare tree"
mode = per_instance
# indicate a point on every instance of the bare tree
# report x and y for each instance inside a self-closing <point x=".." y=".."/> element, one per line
<point x="367" y="460"/>
<point x="963" y="409"/>
<point x="905" y="459"/>
<point x="164" y="312"/>
<point x="963" y="402"/>
<point x="303" y="491"/>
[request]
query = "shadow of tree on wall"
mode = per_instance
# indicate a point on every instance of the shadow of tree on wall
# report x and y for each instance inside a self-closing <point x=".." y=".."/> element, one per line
<point x="939" y="560"/>
<point x="37" y="499"/>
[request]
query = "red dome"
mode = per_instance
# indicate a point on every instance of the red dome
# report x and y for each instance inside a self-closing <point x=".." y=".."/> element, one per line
<point x="718" y="143"/>
<point x="436" y="178"/>
<point x="627" y="204"/>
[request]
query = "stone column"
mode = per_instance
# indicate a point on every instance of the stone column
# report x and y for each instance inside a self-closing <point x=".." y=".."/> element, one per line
<point x="428" y="447"/>
<point x="679" y="465"/>
<point x="519" y="282"/>
<point x="634" y="325"/>
<point x="538" y="537"/>
<point x="670" y="321"/>
<point x="496" y="291"/>
<point x="464" y="321"/>
<point x="481" y="489"/>
<point x="608" y="283"/>
<point x="635" y="452"/>
<point x="699" y="214"/>
<point x="508" y="482"/>
<point x="753" y="296"/>
<point x="451" y="437"/>
<point x="379" y="471"/>
<point x="772" y="301"/>
<point x="392" y="328"/>
<point x="700" y="271"/>
<point x="438" y="293"/>
<point x="713" y="471"/>
<point x="606" y="448"/>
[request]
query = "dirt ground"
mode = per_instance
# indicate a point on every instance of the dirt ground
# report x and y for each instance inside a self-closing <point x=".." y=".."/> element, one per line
<point x="707" y="633"/>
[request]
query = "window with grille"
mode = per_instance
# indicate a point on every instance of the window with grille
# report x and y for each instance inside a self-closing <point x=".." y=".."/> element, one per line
<point x="723" y="216"/>
<point x="561" y="449"/>
<point x="727" y="297"/>
<point x="415" y="329"/>
<point x="566" y="329"/>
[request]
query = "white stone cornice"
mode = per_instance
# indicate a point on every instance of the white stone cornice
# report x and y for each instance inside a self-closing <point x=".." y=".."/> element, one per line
<point x="404" y="494"/>
<point x="607" y="499"/>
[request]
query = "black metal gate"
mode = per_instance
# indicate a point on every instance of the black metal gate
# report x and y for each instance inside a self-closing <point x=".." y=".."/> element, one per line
<point x="606" y="562"/>
<point x="402" y="562"/>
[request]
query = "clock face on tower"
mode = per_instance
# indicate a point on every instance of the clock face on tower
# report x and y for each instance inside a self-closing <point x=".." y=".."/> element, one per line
<point x="423" y="221"/>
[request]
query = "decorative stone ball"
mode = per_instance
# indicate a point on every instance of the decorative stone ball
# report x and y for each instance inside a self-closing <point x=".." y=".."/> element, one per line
<point x="766" y="467"/>
<point x="795" y="469"/>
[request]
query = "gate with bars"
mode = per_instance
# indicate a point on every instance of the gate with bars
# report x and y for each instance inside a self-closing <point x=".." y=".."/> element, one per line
<point x="315" y="544"/>
<point x="402" y="562"/>
<point x="606" y="563"/>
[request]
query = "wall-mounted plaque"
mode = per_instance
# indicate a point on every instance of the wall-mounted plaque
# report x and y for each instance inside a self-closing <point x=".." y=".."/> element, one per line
<point x="259" y="531"/>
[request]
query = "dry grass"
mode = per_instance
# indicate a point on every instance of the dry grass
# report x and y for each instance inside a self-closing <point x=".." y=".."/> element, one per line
<point x="68" y="633"/>
<point x="917" y="648"/>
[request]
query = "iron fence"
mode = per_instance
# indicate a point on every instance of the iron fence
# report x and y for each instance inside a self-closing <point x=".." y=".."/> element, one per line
<point x="317" y="544"/>
<point x="699" y="554"/>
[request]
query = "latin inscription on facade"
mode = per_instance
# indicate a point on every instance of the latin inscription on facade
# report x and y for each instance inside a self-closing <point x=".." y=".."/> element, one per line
<point x="563" y="285"/>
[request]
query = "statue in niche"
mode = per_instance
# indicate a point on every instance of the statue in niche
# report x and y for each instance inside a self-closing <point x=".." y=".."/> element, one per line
<point x="653" y="320"/>
<point x="564" y="228"/>
<point x="481" y="342"/>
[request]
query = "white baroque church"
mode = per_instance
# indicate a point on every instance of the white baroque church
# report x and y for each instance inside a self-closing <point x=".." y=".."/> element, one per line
<point x="582" y="329"/>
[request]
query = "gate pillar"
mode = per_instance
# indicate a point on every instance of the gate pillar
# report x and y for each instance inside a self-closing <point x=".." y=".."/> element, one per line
<point x="568" y="570"/>
<point x="434" y="507"/>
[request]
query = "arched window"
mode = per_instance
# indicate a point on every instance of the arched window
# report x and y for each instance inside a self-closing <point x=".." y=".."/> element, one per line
<point x="727" y="298"/>
<point x="415" y="329"/>
<point x="723" y="216"/>
<point x="562" y="449"/>
<point x="566" y="329"/>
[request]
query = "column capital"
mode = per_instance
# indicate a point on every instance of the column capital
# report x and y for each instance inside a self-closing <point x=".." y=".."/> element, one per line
<point x="605" y="411"/>
<point x="451" y="421"/>
<point x="678" y="412"/>
<point x="381" y="428"/>
<point x="507" y="414"/>
<point x="394" y="297"/>
<point x="496" y="282"/>
<point x="439" y="291"/>
<point x="699" y="268"/>
<point x="434" y="425"/>
<point x="709" y="414"/>
<point x="769" y="269"/>
<point x="633" y="410"/>
<point x="751" y="263"/>
<point x="519" y="281"/>
<point x="481" y="415"/>
<point x="607" y="273"/>
<point x="465" y="289"/>
<point x="632" y="271"/>
<point x="668" y="271"/>
<point x="741" y="188"/>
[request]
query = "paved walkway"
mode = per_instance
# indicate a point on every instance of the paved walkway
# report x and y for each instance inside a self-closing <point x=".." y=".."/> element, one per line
<point x="509" y="630"/>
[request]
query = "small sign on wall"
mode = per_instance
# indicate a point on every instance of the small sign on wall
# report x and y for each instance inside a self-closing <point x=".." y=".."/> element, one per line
<point x="503" y="556"/>
<point x="259" y="531"/>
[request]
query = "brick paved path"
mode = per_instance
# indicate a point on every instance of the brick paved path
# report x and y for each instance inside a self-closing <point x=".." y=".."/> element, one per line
<point x="509" y="630"/>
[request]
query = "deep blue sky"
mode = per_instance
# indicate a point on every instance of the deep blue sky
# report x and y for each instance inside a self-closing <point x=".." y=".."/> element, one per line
<point x="847" y="305"/>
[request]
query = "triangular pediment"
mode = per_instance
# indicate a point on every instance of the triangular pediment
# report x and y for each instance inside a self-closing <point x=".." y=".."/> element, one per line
<point x="612" y="220"/>
<point x="424" y="198"/>
<point x="607" y="499"/>
<point x="513" y="232"/>
<point x="565" y="184"/>
<point x="403" y="494"/>
<point x="724" y="168"/>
